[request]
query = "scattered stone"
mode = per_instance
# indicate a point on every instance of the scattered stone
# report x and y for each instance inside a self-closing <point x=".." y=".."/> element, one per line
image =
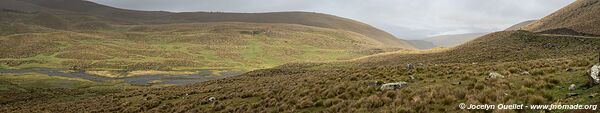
<point x="572" y="87"/>
<point x="212" y="99"/>
<point x="593" y="95"/>
<point x="494" y="75"/>
<point x="595" y="75"/>
<point x="394" y="86"/>
<point x="375" y="83"/>
<point x="569" y="69"/>
<point x="412" y="77"/>
<point x="572" y="95"/>
<point x="525" y="73"/>
<point x="75" y="68"/>
<point x="409" y="66"/>
<point x="457" y="83"/>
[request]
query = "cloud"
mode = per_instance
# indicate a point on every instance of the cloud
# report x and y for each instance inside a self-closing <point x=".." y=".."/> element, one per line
<point x="408" y="19"/>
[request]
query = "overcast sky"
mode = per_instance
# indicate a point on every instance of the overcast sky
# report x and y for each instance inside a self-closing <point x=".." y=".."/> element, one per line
<point x="407" y="19"/>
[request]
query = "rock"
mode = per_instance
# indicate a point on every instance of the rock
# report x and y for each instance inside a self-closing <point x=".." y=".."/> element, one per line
<point x="457" y="83"/>
<point x="572" y="95"/>
<point x="593" y="95"/>
<point x="525" y="73"/>
<point x="409" y="66"/>
<point x="394" y="86"/>
<point x="411" y="77"/>
<point x="494" y="75"/>
<point x="572" y="87"/>
<point x="375" y="83"/>
<point x="595" y="75"/>
<point x="75" y="68"/>
<point x="212" y="99"/>
<point x="569" y="69"/>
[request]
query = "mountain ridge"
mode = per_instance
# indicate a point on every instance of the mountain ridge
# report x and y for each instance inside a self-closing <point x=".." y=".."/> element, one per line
<point x="124" y="16"/>
<point x="519" y="26"/>
<point x="581" y="16"/>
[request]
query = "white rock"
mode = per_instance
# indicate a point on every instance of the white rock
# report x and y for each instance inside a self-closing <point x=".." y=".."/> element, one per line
<point x="572" y="87"/>
<point x="394" y="86"/>
<point x="494" y="75"/>
<point x="212" y="99"/>
<point x="594" y="74"/>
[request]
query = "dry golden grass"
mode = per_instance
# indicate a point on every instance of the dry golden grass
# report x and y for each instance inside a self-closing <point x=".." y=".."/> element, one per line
<point x="581" y="16"/>
<point x="245" y="46"/>
<point x="439" y="84"/>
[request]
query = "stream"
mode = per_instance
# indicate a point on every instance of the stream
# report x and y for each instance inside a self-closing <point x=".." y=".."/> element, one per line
<point x="201" y="76"/>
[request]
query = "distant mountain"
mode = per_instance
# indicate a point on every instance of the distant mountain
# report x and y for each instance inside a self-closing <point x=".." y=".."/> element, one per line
<point x="123" y="16"/>
<point x="581" y="16"/>
<point x="453" y="40"/>
<point x="421" y="44"/>
<point x="519" y="26"/>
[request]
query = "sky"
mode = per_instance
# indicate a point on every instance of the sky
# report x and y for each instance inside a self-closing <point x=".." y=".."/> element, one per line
<point x="406" y="19"/>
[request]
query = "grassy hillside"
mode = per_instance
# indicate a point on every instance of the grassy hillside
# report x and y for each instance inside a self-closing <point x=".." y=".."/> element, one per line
<point x="537" y="68"/>
<point x="519" y="26"/>
<point x="421" y="44"/>
<point x="85" y="35"/>
<point x="93" y="11"/>
<point x="440" y="81"/>
<point x="582" y="16"/>
<point x="20" y="88"/>
<point x="244" y="46"/>
<point x="453" y="40"/>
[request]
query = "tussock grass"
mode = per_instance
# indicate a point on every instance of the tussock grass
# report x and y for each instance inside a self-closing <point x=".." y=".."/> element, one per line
<point x="443" y="80"/>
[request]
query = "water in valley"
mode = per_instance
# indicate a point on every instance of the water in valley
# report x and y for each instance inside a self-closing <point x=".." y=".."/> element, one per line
<point x="201" y="76"/>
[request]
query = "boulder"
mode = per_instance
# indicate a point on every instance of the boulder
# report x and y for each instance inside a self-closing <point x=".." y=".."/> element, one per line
<point x="457" y="83"/>
<point x="394" y="86"/>
<point x="212" y="99"/>
<point x="572" y="95"/>
<point x="494" y="75"/>
<point x="572" y="87"/>
<point x="409" y="66"/>
<point x="595" y="75"/>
